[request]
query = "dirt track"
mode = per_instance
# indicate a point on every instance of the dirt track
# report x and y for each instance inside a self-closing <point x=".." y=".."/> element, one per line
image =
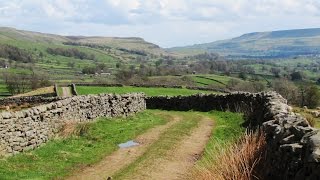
<point x="66" y="92"/>
<point x="122" y="157"/>
<point x="174" y="165"/>
<point x="180" y="160"/>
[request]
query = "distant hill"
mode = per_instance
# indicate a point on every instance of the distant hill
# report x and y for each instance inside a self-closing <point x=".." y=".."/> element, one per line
<point x="71" y="58"/>
<point x="275" y="44"/>
<point x="131" y="43"/>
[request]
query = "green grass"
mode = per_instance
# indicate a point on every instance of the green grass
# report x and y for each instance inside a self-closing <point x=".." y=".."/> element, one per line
<point x="317" y="125"/>
<point x="84" y="90"/>
<point x="59" y="157"/>
<point x="227" y="129"/>
<point x="3" y="90"/>
<point x="60" y="91"/>
<point x="167" y="141"/>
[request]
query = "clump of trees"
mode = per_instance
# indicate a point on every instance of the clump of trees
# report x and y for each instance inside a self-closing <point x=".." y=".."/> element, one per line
<point x="237" y="85"/>
<point x="20" y="83"/>
<point x="96" y="46"/>
<point x="15" y="54"/>
<point x="303" y="95"/>
<point x="99" y="68"/>
<point x="134" y="51"/>
<point x="72" y="52"/>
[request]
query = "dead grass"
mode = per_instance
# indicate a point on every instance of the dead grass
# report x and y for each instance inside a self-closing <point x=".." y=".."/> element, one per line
<point x="45" y="90"/>
<point x="73" y="129"/>
<point x="15" y="107"/>
<point x="307" y="113"/>
<point x="238" y="161"/>
<point x="311" y="120"/>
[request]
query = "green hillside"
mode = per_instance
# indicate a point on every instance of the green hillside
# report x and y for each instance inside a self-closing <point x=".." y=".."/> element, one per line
<point x="264" y="44"/>
<point x="105" y="50"/>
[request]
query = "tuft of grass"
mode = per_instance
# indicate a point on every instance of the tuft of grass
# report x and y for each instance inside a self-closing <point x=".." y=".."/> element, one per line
<point x="311" y="120"/>
<point x="74" y="129"/>
<point x="59" y="157"/>
<point x="239" y="161"/>
<point x="40" y="91"/>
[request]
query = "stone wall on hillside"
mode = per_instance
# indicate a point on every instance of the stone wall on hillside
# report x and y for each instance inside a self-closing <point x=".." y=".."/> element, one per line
<point x="293" y="147"/>
<point x="27" y="129"/>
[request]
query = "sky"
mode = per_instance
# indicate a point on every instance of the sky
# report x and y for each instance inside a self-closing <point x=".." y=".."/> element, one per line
<point x="167" y="23"/>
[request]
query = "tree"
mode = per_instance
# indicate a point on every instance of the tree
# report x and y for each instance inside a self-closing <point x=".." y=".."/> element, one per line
<point x="275" y="72"/>
<point x="20" y="83"/>
<point x="124" y="75"/>
<point x="296" y="76"/>
<point x="287" y="89"/>
<point x="89" y="70"/>
<point x="71" y="64"/>
<point x="243" y="75"/>
<point x="159" y="62"/>
<point x="310" y="96"/>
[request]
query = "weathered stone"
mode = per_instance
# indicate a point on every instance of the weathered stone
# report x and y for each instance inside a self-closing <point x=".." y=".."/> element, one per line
<point x="6" y="115"/>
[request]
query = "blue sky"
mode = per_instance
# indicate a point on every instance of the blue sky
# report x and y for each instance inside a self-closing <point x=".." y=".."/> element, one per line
<point x="164" y="22"/>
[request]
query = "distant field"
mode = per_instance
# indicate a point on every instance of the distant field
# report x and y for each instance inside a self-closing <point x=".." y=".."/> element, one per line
<point x="212" y="79"/>
<point x="84" y="90"/>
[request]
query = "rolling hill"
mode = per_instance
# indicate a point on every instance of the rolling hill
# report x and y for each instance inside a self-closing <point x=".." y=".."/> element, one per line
<point x="64" y="59"/>
<point x="129" y="43"/>
<point x="274" y="44"/>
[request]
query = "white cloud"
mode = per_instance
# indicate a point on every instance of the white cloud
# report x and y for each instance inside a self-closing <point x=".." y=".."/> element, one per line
<point x="166" y="22"/>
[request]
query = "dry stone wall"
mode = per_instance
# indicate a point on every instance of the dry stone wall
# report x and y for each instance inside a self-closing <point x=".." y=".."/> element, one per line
<point x="27" y="129"/>
<point x="27" y="99"/>
<point x="293" y="147"/>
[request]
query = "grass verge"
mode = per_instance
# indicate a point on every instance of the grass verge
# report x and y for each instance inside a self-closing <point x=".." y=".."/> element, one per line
<point x="58" y="158"/>
<point x="227" y="130"/>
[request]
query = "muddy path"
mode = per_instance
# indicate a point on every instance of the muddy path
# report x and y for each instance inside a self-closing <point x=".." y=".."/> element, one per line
<point x="123" y="156"/>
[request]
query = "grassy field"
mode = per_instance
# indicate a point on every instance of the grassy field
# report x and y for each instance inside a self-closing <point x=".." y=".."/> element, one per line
<point x="84" y="90"/>
<point x="3" y="90"/>
<point x="61" y="156"/>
